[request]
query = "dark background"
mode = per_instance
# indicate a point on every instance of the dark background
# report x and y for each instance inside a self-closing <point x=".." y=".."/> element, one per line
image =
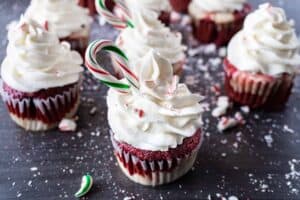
<point x="236" y="163"/>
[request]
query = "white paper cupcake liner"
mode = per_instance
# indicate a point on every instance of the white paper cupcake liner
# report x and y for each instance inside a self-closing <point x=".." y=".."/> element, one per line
<point x="156" y="172"/>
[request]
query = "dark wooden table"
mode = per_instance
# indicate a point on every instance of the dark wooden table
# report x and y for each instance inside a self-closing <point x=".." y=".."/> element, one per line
<point x="237" y="163"/>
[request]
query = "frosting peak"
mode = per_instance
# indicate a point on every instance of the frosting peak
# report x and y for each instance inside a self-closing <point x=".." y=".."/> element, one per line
<point x="36" y="60"/>
<point x="158" y="116"/>
<point x="64" y="16"/>
<point x="267" y="44"/>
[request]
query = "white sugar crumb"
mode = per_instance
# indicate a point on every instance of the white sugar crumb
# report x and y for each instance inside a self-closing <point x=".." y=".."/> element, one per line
<point x="128" y="198"/>
<point x="67" y="125"/>
<point x="222" y="52"/>
<point x="287" y="129"/>
<point x="233" y="198"/>
<point x="29" y="183"/>
<point x="222" y="106"/>
<point x="33" y="169"/>
<point x="269" y="140"/>
<point x="101" y="20"/>
<point x="245" y="109"/>
<point x="79" y="135"/>
<point x="93" y="110"/>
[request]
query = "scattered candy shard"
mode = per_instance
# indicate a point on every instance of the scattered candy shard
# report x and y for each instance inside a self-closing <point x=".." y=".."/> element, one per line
<point x="86" y="184"/>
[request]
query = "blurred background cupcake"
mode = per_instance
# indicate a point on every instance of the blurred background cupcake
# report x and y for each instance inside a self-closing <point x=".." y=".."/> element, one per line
<point x="149" y="33"/>
<point x="262" y="59"/>
<point x="41" y="77"/>
<point x="66" y="18"/>
<point x="216" y="21"/>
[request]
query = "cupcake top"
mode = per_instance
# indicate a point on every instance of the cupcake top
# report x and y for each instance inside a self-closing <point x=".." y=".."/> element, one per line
<point x="149" y="33"/>
<point x="267" y="44"/>
<point x="218" y="10"/>
<point x="64" y="16"/>
<point x="37" y="60"/>
<point x="155" y="5"/>
<point x="158" y="116"/>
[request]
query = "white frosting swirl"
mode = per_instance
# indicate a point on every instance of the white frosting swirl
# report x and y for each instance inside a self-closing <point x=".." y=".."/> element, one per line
<point x="158" y="116"/>
<point x="36" y="60"/>
<point x="219" y="5"/>
<point x="155" y="5"/>
<point x="149" y="33"/>
<point x="65" y="17"/>
<point x="267" y="44"/>
<point x="218" y="10"/>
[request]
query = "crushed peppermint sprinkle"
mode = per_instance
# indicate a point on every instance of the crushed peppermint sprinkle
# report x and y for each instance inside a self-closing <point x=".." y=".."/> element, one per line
<point x="33" y="169"/>
<point x="222" y="106"/>
<point x="67" y="125"/>
<point x="269" y="140"/>
<point x="226" y="123"/>
<point x="287" y="129"/>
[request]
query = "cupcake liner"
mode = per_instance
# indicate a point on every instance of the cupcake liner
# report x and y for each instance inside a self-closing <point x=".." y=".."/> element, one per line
<point x="153" y="172"/>
<point x="208" y="31"/>
<point x="257" y="90"/>
<point x="180" y="5"/>
<point x="41" y="113"/>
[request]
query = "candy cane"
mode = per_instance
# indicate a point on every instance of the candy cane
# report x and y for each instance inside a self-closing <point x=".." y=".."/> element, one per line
<point x="103" y="75"/>
<point x="111" y="18"/>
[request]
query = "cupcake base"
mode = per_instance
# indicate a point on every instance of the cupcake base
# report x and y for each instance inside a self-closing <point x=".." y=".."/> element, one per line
<point x="180" y="5"/>
<point x="257" y="90"/>
<point x="208" y="31"/>
<point x="41" y="110"/>
<point x="152" y="168"/>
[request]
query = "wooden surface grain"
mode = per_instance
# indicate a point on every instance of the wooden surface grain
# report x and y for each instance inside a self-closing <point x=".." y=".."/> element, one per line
<point x="237" y="163"/>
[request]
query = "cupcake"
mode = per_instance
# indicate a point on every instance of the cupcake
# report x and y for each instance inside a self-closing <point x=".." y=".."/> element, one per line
<point x="155" y="121"/>
<point x="66" y="18"/>
<point x="180" y="5"/>
<point x="149" y="33"/>
<point x="40" y="77"/>
<point x="163" y="8"/>
<point x="216" y="21"/>
<point x="262" y="58"/>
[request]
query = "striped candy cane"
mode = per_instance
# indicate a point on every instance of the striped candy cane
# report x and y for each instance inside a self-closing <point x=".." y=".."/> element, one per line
<point x="103" y="75"/>
<point x="113" y="19"/>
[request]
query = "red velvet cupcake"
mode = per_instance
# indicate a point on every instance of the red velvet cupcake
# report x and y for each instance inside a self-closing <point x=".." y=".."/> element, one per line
<point x="155" y="121"/>
<point x="156" y="131"/>
<point x="71" y="25"/>
<point x="262" y="58"/>
<point x="41" y="77"/>
<point x="136" y="42"/>
<point x="217" y="22"/>
<point x="180" y="5"/>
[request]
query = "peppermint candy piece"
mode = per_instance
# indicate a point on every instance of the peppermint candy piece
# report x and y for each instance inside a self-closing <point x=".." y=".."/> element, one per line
<point x="86" y="184"/>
